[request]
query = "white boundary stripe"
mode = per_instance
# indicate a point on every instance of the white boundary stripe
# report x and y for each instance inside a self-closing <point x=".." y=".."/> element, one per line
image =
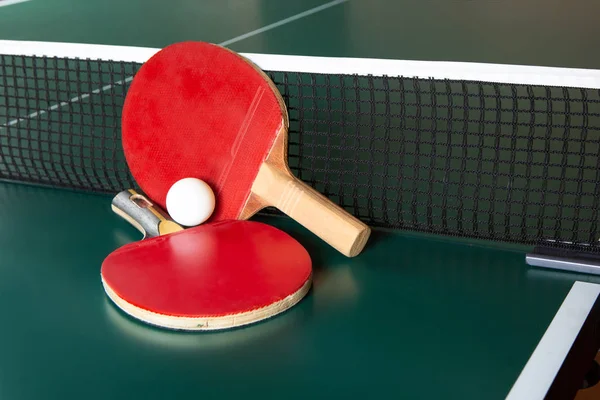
<point x="5" y="3"/>
<point x="283" y="22"/>
<point x="500" y="73"/>
<point x="545" y="362"/>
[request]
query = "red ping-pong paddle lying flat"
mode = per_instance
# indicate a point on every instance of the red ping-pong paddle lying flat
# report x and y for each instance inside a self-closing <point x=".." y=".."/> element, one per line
<point x="199" y="110"/>
<point x="218" y="275"/>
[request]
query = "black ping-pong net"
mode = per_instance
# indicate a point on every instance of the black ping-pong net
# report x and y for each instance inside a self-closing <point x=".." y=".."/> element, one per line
<point x="496" y="152"/>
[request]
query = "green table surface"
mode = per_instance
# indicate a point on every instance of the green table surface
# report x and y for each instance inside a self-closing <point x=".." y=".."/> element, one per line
<point x="534" y="32"/>
<point x="412" y="316"/>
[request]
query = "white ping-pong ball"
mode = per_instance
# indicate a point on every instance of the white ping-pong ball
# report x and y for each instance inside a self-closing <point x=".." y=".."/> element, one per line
<point x="190" y="201"/>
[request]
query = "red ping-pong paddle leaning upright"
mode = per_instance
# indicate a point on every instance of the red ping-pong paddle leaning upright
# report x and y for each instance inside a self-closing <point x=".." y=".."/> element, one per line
<point x="199" y="110"/>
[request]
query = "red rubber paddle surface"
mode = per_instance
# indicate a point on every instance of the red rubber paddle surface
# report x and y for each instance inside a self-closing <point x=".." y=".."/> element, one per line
<point x="214" y="269"/>
<point x="198" y="110"/>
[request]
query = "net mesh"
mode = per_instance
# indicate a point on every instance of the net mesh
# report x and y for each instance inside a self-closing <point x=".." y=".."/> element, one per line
<point x="504" y="162"/>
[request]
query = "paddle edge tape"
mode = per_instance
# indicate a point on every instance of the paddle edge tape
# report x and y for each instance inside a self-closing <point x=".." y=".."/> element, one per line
<point x="209" y="322"/>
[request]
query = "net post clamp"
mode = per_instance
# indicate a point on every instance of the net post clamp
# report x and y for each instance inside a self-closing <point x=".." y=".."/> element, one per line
<point x="574" y="259"/>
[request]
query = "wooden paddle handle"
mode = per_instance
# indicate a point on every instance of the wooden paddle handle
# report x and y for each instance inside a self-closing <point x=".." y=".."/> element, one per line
<point x="310" y="208"/>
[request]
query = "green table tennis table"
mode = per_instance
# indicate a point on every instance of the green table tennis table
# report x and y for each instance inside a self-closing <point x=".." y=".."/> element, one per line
<point x="416" y="316"/>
